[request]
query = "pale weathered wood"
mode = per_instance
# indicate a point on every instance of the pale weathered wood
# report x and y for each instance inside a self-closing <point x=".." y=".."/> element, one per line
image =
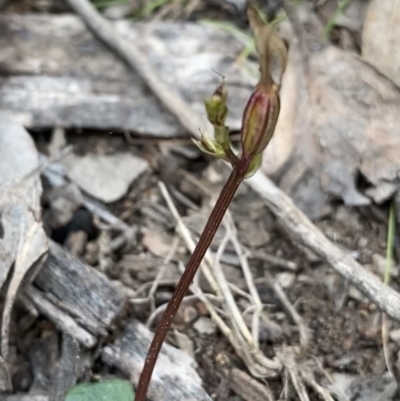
<point x="83" y="295"/>
<point x="54" y="72"/>
<point x="174" y="378"/>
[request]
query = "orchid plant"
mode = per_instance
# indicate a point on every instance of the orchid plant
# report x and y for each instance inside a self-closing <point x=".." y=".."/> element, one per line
<point x="259" y="120"/>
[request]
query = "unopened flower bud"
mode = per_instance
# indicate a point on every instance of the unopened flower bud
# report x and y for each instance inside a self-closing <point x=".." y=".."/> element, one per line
<point x="216" y="107"/>
<point x="259" y="120"/>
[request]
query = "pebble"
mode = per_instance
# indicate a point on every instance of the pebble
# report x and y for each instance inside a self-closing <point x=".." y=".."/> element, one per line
<point x="205" y="326"/>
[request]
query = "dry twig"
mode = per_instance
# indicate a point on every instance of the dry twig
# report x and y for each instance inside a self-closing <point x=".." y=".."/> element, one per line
<point x="207" y="262"/>
<point x="303" y="330"/>
<point x="234" y="312"/>
<point x="274" y="260"/>
<point x="258" y="307"/>
<point x="131" y="54"/>
<point x="160" y="273"/>
<point x="288" y="360"/>
<point x="309" y="235"/>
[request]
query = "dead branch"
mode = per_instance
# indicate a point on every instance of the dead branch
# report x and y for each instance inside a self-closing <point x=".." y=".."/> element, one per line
<point x="310" y="236"/>
<point x="77" y="298"/>
<point x="131" y="54"/>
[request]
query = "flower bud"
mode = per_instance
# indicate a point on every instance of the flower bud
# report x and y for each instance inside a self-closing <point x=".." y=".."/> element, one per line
<point x="259" y="120"/>
<point x="216" y="107"/>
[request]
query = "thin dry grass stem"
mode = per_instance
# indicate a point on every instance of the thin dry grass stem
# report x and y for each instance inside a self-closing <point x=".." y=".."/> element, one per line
<point x="240" y="292"/>
<point x="235" y="313"/>
<point x="183" y="199"/>
<point x="258" y="306"/>
<point x="269" y="324"/>
<point x="287" y="358"/>
<point x="193" y="180"/>
<point x="249" y="309"/>
<point x="195" y="288"/>
<point x="146" y="286"/>
<point x="139" y="301"/>
<point x="214" y="315"/>
<point x="285" y="391"/>
<point x="302" y="327"/>
<point x="298" y="385"/>
<point x="321" y="391"/>
<point x="307" y="370"/>
<point x="160" y="274"/>
<point x="196" y="182"/>
<point x="257" y="363"/>
<point x="186" y="236"/>
<point x="157" y="312"/>
<point x="243" y="259"/>
<point x="330" y="379"/>
<point x="274" y="260"/>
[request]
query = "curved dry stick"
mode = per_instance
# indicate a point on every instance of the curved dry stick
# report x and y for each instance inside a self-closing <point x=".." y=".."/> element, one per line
<point x="310" y="236"/>
<point x="131" y="54"/>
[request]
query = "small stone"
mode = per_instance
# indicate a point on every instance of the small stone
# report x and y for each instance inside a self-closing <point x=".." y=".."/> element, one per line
<point x="190" y="314"/>
<point x="105" y="177"/>
<point x="357" y="295"/>
<point x="184" y="343"/>
<point x="285" y="279"/>
<point x="205" y="326"/>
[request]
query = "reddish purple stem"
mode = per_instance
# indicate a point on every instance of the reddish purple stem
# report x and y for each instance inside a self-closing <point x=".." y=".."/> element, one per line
<point x="214" y="221"/>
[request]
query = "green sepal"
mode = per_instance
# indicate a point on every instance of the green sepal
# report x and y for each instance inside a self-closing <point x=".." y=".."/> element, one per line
<point x="211" y="148"/>
<point x="254" y="165"/>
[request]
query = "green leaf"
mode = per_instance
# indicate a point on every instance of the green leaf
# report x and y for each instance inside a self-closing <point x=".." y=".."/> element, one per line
<point x="110" y="390"/>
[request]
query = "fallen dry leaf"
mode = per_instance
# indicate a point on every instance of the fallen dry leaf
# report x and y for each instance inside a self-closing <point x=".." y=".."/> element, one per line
<point x="159" y="244"/>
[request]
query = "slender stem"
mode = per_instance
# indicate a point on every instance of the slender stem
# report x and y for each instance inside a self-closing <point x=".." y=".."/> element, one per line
<point x="214" y="221"/>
